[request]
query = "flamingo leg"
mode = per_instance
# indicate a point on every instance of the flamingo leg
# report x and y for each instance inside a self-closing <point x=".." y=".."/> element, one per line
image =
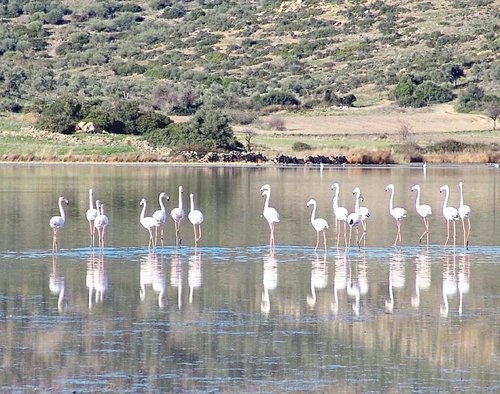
<point x="350" y="237"/>
<point x="468" y="232"/>
<point x="317" y="241"/>
<point x="454" y="233"/>
<point x="199" y="233"/>
<point x="397" y="233"/>
<point x="447" y="232"/>
<point x="324" y="239"/>
<point x="195" y="236"/>
<point x="337" y="228"/>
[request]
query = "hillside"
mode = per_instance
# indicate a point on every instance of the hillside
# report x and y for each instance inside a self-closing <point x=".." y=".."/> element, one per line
<point x="175" y="55"/>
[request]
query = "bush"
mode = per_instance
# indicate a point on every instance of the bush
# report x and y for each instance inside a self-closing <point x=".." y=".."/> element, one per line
<point x="278" y="97"/>
<point x="300" y="146"/>
<point x="60" y="116"/>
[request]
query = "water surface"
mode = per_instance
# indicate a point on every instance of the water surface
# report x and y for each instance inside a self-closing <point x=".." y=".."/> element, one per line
<point x="232" y="315"/>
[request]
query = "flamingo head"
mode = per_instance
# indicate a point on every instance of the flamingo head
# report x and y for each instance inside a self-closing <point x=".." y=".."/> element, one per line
<point x="164" y="195"/>
<point x="143" y="201"/>
<point x="64" y="199"/>
<point x="311" y="202"/>
<point x="265" y="187"/>
<point x="335" y="186"/>
<point x="181" y="190"/>
<point x="443" y="188"/>
<point x="266" y="192"/>
<point x="389" y="187"/>
<point x="414" y="188"/>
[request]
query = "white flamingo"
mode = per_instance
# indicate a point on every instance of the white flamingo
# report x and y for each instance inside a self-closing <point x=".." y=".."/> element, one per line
<point x="354" y="218"/>
<point x="450" y="214"/>
<point x="270" y="214"/>
<point x="319" y="224"/>
<point x="100" y="223"/>
<point x="91" y="214"/>
<point x="423" y="210"/>
<point x="364" y="213"/>
<point x="161" y="216"/>
<point x="177" y="215"/>
<point x="464" y="211"/>
<point x="196" y="218"/>
<point x="148" y="222"/>
<point x="340" y="213"/>
<point x="397" y="213"/>
<point x="57" y="222"/>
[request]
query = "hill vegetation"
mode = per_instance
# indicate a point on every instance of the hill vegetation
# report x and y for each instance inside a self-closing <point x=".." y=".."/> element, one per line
<point x="128" y="66"/>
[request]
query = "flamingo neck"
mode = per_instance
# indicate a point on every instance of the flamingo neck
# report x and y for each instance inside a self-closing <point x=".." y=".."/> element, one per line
<point x="445" y="203"/>
<point x="180" y="198"/>
<point x="266" y="203"/>
<point x="61" y="210"/>
<point x="162" y="205"/>
<point x="313" y="213"/>
<point x="356" y="204"/>
<point x="91" y="199"/>
<point x="191" y="198"/>
<point x="417" y="201"/>
<point x="461" y="195"/>
<point x="391" y="200"/>
<point x="143" y="212"/>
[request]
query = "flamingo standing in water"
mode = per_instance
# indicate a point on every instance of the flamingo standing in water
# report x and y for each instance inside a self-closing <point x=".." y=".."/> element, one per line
<point x="161" y="216"/>
<point x="100" y="223"/>
<point x="57" y="222"/>
<point x="423" y="210"/>
<point x="397" y="213"/>
<point x="91" y="214"/>
<point x="364" y="213"/>
<point x="354" y="218"/>
<point x="449" y="213"/>
<point x="270" y="214"/>
<point x="464" y="211"/>
<point x="340" y="213"/>
<point x="148" y="222"/>
<point x="177" y="215"/>
<point x="319" y="224"/>
<point x="196" y="218"/>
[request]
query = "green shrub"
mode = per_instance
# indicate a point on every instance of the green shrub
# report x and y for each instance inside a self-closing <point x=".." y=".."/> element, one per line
<point x="301" y="146"/>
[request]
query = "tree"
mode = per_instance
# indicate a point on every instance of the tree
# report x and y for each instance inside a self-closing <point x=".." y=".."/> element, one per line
<point x="493" y="111"/>
<point x="453" y="72"/>
<point x="60" y="116"/>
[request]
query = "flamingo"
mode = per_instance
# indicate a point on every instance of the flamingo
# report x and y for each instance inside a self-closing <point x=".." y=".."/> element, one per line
<point x="464" y="211"/>
<point x="354" y="218"/>
<point x="161" y="216"/>
<point x="397" y="213"/>
<point x="100" y="223"/>
<point x="449" y="213"/>
<point x="196" y="218"/>
<point x="148" y="222"/>
<point x="57" y="222"/>
<point x="340" y="213"/>
<point x="91" y="214"/>
<point x="423" y="210"/>
<point x="364" y="213"/>
<point x="178" y="216"/>
<point x="270" y="214"/>
<point x="319" y="224"/>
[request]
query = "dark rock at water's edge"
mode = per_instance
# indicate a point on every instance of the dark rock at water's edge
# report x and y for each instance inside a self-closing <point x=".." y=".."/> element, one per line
<point x="257" y="157"/>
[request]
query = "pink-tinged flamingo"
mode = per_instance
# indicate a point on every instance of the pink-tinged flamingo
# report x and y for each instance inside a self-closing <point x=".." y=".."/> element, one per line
<point x="319" y="224"/>
<point x="270" y="214"/>
<point x="91" y="214"/>
<point x="340" y="213"/>
<point x="397" y="213"/>
<point x="148" y="222"/>
<point x="196" y="218"/>
<point x="423" y="210"/>
<point x="57" y="222"/>
<point x="465" y="212"/>
<point x="450" y="214"/>
<point x="100" y="223"/>
<point x="161" y="216"/>
<point x="177" y="215"/>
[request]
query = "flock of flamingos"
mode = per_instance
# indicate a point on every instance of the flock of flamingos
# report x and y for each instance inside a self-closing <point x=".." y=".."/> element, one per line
<point x="98" y="220"/>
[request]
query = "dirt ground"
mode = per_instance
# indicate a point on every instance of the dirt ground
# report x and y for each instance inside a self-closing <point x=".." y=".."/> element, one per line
<point x="429" y="124"/>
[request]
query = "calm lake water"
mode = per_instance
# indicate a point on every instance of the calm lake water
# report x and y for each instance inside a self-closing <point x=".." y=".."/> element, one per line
<point x="232" y="315"/>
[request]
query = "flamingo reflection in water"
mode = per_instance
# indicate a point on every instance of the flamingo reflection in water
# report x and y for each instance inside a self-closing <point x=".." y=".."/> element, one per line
<point x="152" y="274"/>
<point x="449" y="286"/>
<point x="463" y="279"/>
<point x="96" y="279"/>
<point x="422" y="277"/>
<point x="269" y="280"/>
<point x="357" y="282"/>
<point x="176" y="277"/>
<point x="319" y="278"/>
<point x="56" y="284"/>
<point x="396" y="279"/>
<point x="195" y="277"/>
<point x="339" y="280"/>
